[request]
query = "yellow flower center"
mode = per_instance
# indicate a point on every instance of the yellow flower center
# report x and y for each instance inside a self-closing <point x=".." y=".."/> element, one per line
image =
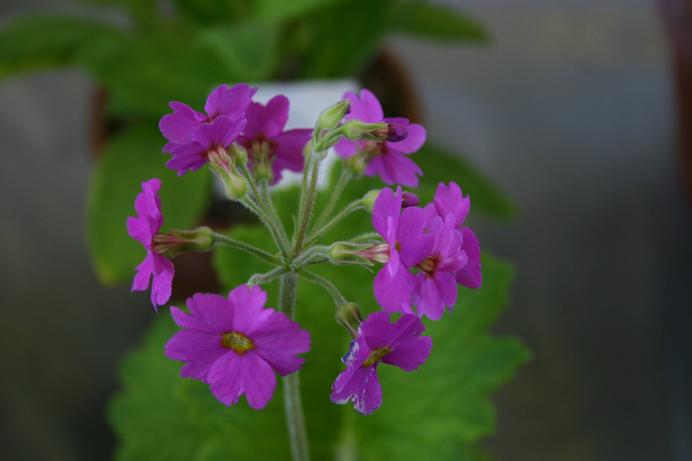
<point x="237" y="342"/>
<point x="377" y="355"/>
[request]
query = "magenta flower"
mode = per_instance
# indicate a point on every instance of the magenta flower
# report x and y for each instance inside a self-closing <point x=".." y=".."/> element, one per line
<point x="399" y="344"/>
<point x="195" y="138"/>
<point x="407" y="246"/>
<point x="207" y="143"/>
<point x="236" y="345"/>
<point x="179" y="126"/>
<point x="437" y="286"/>
<point x="449" y="199"/>
<point x="264" y="135"/>
<point x="388" y="160"/>
<point x="143" y="228"/>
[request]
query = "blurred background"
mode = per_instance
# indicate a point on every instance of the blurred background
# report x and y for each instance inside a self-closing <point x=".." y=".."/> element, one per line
<point x="572" y="108"/>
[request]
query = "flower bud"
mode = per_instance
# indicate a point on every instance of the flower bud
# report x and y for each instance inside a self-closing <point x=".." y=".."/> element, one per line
<point x="178" y="241"/>
<point x="348" y="315"/>
<point x="370" y="198"/>
<point x="409" y="199"/>
<point x="348" y="253"/>
<point x="332" y="116"/>
<point x="238" y="154"/>
<point x="234" y="185"/>
<point x="357" y="130"/>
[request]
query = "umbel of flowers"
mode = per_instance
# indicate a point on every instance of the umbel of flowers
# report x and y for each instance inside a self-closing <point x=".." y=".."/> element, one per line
<point x="236" y="344"/>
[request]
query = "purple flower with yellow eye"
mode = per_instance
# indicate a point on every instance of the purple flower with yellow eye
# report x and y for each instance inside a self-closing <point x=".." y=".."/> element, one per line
<point x="389" y="159"/>
<point x="236" y="345"/>
<point x="155" y="268"/>
<point x="450" y="200"/>
<point x="407" y="246"/>
<point x="379" y="341"/>
<point x="437" y="286"/>
<point x="268" y="144"/>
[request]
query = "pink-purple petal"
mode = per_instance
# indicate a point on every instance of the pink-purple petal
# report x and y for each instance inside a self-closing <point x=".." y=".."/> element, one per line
<point x="345" y="148"/>
<point x="225" y="378"/>
<point x="225" y="100"/>
<point x="386" y="211"/>
<point x="395" y="293"/>
<point x="470" y="275"/>
<point x="259" y="380"/>
<point x="411" y="354"/>
<point x="394" y="168"/>
<point x="162" y="283"/>
<point x="267" y="120"/>
<point x="288" y="151"/>
<point x="413" y="141"/>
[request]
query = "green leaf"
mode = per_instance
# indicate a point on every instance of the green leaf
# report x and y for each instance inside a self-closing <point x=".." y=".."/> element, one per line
<point x="39" y="42"/>
<point x="248" y="50"/>
<point x="435" y="22"/>
<point x="439" y="165"/>
<point x="143" y="74"/>
<point x="130" y="158"/>
<point x="281" y="10"/>
<point x="343" y="38"/>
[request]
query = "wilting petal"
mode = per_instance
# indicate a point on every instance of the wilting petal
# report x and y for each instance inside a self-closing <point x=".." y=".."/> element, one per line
<point x="360" y="386"/>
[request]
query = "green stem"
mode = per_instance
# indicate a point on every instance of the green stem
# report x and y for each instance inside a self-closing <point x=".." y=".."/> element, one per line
<point x="295" y="420"/>
<point x="269" y="203"/>
<point x="350" y="208"/>
<point x="257" y="205"/>
<point x="333" y="291"/>
<point x="246" y="247"/>
<point x="341" y="183"/>
<point x="267" y="277"/>
<point x="308" y="198"/>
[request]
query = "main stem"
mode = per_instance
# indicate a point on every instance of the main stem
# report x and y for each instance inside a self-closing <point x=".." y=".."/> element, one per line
<point x="295" y="420"/>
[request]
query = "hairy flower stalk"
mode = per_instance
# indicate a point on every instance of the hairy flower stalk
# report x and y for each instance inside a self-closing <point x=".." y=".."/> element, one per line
<point x="234" y="343"/>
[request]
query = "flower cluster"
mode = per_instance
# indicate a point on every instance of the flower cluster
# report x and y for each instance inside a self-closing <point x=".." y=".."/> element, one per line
<point x="428" y="252"/>
<point x="235" y="344"/>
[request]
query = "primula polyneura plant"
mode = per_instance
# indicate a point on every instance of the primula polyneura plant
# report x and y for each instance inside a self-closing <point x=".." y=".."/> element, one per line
<point x="422" y="252"/>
